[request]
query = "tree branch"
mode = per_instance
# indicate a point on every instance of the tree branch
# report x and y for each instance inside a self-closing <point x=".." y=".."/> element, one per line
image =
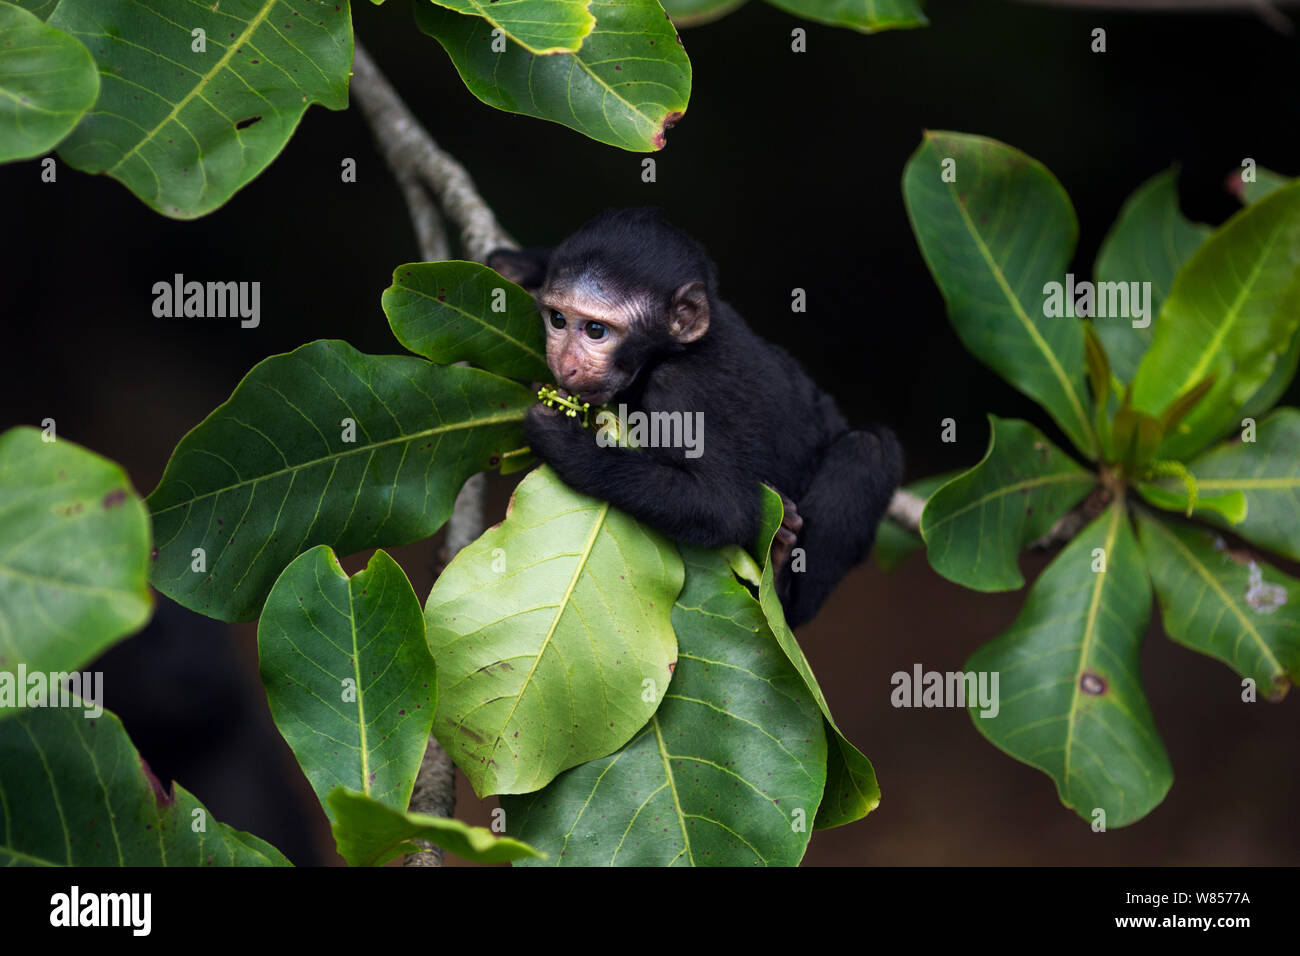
<point x="424" y="170"/>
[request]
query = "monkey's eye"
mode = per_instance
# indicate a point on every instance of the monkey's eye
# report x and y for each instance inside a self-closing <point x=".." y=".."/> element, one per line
<point x="595" y="330"/>
<point x="557" y="320"/>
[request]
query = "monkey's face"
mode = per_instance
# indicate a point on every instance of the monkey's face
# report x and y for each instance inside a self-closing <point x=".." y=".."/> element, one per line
<point x="586" y="325"/>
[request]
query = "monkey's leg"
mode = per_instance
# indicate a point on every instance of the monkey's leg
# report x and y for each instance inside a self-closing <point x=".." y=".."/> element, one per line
<point x="844" y="504"/>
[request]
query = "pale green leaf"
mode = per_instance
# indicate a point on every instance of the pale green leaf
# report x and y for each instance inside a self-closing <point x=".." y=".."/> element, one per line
<point x="553" y="637"/>
<point x="728" y="772"/>
<point x="1232" y="312"/>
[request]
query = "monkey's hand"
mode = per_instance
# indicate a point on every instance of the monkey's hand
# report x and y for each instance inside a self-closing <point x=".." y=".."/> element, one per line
<point x="786" y="535"/>
<point x="554" y="437"/>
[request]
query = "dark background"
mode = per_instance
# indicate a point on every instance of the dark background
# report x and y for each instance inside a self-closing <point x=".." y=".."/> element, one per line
<point x="787" y="167"/>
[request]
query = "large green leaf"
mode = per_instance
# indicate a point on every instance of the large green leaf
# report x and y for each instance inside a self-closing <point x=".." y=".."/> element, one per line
<point x="369" y="833"/>
<point x="976" y="525"/>
<point x="348" y="674"/>
<point x="269" y="473"/>
<point x="553" y="637"/>
<point x="851" y="788"/>
<point x="539" y="26"/>
<point x="868" y="16"/>
<point x="1149" y="242"/>
<point x="47" y="82"/>
<point x="445" y="312"/>
<point x="1267" y="472"/>
<point x="74" y="554"/>
<point x="728" y="772"/>
<point x="630" y="81"/>
<point x="1070" y="696"/>
<point x="75" y="792"/>
<point x="993" y="239"/>
<point x="1213" y="600"/>
<point x="185" y="130"/>
<point x="1232" y="313"/>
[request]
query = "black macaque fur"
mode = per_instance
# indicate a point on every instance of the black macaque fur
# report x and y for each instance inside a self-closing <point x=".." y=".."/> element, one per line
<point x="765" y="419"/>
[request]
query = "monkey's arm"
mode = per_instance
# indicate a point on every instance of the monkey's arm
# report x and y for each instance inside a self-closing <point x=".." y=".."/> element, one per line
<point x="695" y="503"/>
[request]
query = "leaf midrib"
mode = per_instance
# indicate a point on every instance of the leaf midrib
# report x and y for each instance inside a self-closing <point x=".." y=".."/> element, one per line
<point x="1052" y="479"/>
<point x="234" y="45"/>
<point x="1234" y="312"/>
<point x="1019" y="312"/>
<point x="1190" y="557"/>
<point x="583" y="557"/>
<point x="413" y="436"/>
<point x="1090" y="633"/>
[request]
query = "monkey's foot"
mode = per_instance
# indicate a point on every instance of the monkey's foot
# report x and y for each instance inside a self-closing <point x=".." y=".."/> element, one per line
<point x="786" y="535"/>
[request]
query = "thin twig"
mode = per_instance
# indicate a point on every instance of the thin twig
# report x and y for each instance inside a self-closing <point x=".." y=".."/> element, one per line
<point x="422" y="168"/>
<point x="414" y="156"/>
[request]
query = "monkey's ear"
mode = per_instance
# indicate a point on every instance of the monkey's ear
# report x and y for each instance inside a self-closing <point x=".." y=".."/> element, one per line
<point x="688" y="316"/>
<point x="525" y="267"/>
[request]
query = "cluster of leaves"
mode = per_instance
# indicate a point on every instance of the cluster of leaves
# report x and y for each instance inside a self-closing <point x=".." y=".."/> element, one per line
<point x="645" y="706"/>
<point x="186" y="112"/>
<point x="1150" y="409"/>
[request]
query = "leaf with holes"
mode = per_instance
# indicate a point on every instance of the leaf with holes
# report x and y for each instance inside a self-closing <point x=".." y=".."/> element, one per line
<point x="74" y="554"/>
<point x="185" y="121"/>
<point x="994" y="237"/>
<point x="851" y="788"/>
<point x="553" y="637"/>
<point x="630" y="81"/>
<point x="47" y="82"/>
<point x="1232" y="313"/>
<point x="976" y="525"/>
<point x="348" y="674"/>
<point x="1149" y="242"/>
<point x="324" y="445"/>
<point x="462" y="311"/>
<point x="77" y="793"/>
<point x="728" y="772"/>
<point x="1225" y="604"/>
<point x="1069" y="685"/>
<point x="868" y="16"/>
<point x="539" y="26"/>
<point x="370" y="833"/>
<point x="1265" y="470"/>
